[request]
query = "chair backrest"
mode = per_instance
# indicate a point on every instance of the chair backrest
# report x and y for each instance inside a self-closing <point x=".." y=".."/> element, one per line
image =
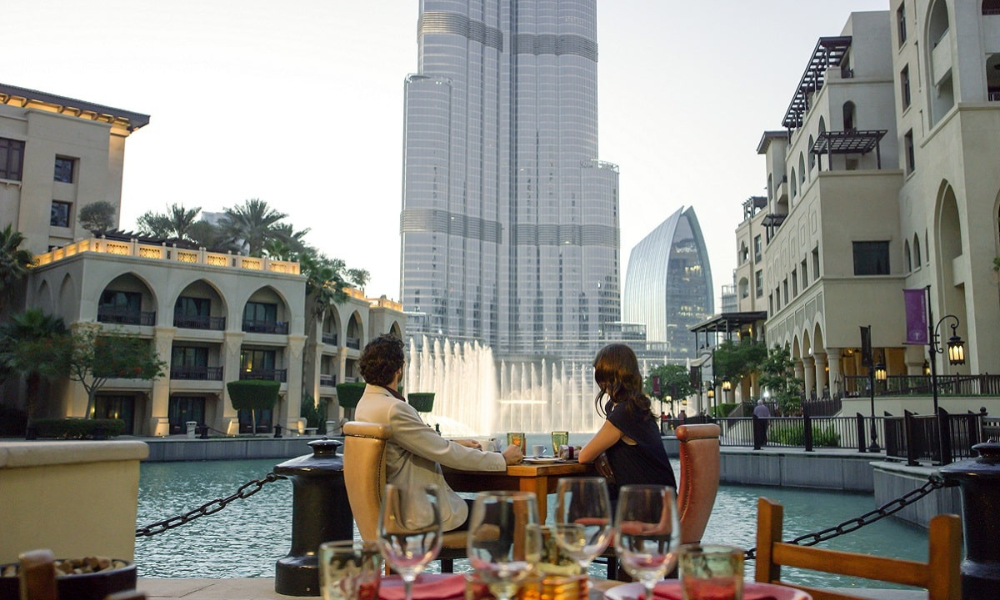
<point x="699" y="457"/>
<point x="940" y="575"/>
<point x="364" y="473"/>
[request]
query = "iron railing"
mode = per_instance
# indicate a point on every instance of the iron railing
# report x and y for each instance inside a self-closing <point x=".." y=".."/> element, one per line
<point x="329" y="338"/>
<point x="200" y="322"/>
<point x="328" y="380"/>
<point x="196" y="373"/>
<point x="265" y="374"/>
<point x="120" y="316"/>
<point x="252" y="326"/>
<point x="920" y="385"/>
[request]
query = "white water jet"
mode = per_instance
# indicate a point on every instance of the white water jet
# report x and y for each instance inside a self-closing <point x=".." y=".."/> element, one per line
<point x="475" y="393"/>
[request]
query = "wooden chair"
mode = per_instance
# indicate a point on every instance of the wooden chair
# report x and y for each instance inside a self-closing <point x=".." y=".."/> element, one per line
<point x="364" y="477"/>
<point x="697" y="486"/>
<point x="940" y="576"/>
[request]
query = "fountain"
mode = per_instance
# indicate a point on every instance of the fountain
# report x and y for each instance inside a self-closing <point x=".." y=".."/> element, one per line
<point x="476" y="395"/>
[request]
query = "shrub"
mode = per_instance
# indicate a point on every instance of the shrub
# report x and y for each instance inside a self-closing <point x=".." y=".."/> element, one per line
<point x="349" y="394"/>
<point x="78" y="429"/>
<point x="253" y="394"/>
<point x="724" y="409"/>
<point x="795" y="435"/>
<point x="314" y="415"/>
<point x="13" y="422"/>
<point x="421" y="401"/>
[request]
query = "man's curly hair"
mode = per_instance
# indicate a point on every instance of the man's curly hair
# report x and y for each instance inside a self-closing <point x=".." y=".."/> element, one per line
<point x="381" y="358"/>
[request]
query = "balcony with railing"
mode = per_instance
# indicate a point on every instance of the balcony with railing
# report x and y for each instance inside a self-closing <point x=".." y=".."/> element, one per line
<point x="994" y="96"/>
<point x="163" y="252"/>
<point x="124" y="316"/>
<point x="327" y="380"/>
<point x="196" y="373"/>
<point x="329" y="338"/>
<point x="265" y="375"/>
<point x="200" y="322"/>
<point x="353" y="343"/>
<point x="920" y="385"/>
<point x="258" y="326"/>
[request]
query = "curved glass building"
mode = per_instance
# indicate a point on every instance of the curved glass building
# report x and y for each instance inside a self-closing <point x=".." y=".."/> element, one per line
<point x="510" y="232"/>
<point x="668" y="286"/>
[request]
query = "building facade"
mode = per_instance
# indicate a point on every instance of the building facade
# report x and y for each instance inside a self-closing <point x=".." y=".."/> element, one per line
<point x="213" y="317"/>
<point x="509" y="225"/>
<point x="668" y="286"/>
<point x="885" y="178"/>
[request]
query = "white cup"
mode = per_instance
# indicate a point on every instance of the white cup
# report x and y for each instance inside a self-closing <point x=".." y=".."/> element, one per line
<point x="538" y="449"/>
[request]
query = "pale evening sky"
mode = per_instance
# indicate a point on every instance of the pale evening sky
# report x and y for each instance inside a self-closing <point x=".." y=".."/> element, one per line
<point x="300" y="103"/>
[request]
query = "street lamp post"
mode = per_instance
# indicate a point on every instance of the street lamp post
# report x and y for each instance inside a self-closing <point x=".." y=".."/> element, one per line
<point x="876" y="372"/>
<point x="956" y="356"/>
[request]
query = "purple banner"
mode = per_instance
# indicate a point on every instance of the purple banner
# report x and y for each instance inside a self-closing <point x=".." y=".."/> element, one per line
<point x="916" y="317"/>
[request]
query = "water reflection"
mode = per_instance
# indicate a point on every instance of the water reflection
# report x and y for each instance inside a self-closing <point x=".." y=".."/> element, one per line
<point x="248" y="536"/>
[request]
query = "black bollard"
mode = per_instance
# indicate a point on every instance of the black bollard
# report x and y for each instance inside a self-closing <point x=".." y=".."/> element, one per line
<point x="277" y="431"/>
<point x="980" y="483"/>
<point x="320" y="513"/>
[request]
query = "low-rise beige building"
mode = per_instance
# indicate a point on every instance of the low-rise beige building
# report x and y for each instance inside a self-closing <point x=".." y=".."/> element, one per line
<point x="885" y="178"/>
<point x="213" y="317"/>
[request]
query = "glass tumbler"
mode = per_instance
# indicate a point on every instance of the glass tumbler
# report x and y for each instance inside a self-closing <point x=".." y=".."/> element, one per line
<point x="711" y="571"/>
<point x="559" y="438"/>
<point x="349" y="570"/>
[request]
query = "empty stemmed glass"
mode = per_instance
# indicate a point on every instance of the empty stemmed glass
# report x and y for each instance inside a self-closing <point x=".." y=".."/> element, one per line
<point x="497" y="539"/>
<point x="409" y="530"/>
<point x="647" y="532"/>
<point x="583" y="518"/>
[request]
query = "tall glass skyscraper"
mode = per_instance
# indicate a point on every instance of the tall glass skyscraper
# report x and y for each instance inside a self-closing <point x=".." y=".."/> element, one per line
<point x="510" y="231"/>
<point x="669" y="284"/>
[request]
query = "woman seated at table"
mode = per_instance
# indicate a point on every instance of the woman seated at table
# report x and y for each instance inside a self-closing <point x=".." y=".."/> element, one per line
<point x="630" y="435"/>
<point x="415" y="452"/>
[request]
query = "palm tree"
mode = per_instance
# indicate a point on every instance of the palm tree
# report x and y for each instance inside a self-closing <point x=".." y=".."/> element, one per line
<point x="32" y="346"/>
<point x="175" y="223"/>
<point x="14" y="263"/>
<point x="253" y="223"/>
<point x="294" y="240"/>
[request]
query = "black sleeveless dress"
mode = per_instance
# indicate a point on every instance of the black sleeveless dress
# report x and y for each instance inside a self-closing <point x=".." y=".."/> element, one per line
<point x="643" y="462"/>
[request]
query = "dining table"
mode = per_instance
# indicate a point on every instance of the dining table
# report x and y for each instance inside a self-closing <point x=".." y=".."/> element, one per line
<point x="540" y="478"/>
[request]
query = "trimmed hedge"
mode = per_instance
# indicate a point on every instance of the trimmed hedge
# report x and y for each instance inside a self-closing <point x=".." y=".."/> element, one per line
<point x="349" y="394"/>
<point x="13" y="422"/>
<point x="77" y="428"/>
<point x="253" y="394"/>
<point x="421" y="401"/>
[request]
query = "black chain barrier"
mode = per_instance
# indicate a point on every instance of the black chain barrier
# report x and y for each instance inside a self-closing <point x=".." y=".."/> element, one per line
<point x="934" y="482"/>
<point x="210" y="508"/>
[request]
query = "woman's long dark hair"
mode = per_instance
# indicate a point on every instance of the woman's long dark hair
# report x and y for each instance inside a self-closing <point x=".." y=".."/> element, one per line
<point x="616" y="371"/>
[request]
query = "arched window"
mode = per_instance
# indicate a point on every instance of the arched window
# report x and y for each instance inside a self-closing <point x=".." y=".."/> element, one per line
<point x="916" y="251"/>
<point x="938" y="26"/>
<point x="822" y="126"/>
<point x="812" y="157"/>
<point x="802" y="169"/>
<point x="906" y="256"/>
<point x="849" y="117"/>
<point x="793" y="181"/>
<point x="991" y="7"/>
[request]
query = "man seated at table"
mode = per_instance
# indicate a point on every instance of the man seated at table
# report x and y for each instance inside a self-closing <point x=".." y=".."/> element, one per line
<point x="415" y="452"/>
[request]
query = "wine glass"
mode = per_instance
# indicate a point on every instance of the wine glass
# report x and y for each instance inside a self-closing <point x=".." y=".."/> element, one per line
<point x="409" y="530"/>
<point x="647" y="532"/>
<point x="497" y="542"/>
<point x="583" y="518"/>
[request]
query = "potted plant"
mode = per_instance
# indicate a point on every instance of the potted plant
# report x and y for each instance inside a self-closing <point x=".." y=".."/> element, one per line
<point x="421" y="401"/>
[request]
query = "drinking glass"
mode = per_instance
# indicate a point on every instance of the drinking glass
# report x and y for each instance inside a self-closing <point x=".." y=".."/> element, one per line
<point x="711" y="571"/>
<point x="559" y="438"/>
<point x="349" y="569"/>
<point x="518" y="439"/>
<point x="409" y="530"/>
<point x="647" y="532"/>
<point x="583" y="518"/>
<point x="497" y="542"/>
<point x="545" y="554"/>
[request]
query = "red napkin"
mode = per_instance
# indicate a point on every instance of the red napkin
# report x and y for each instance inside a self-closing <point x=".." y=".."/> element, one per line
<point x="428" y="586"/>
<point x="671" y="590"/>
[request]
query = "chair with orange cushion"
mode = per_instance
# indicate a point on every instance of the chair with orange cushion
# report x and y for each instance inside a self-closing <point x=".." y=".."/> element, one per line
<point x="364" y="477"/>
<point x="940" y="575"/>
<point x="698" y="484"/>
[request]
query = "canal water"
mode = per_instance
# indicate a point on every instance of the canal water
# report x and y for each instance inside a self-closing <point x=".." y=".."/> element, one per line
<point x="247" y="537"/>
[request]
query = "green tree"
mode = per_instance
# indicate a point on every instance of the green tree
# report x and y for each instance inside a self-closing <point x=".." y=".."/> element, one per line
<point x="777" y="376"/>
<point x="675" y="381"/>
<point x="98" y="217"/>
<point x="253" y="223"/>
<point x="736" y="360"/>
<point x="253" y="395"/>
<point x="32" y="346"/>
<point x="175" y="223"/>
<point x="96" y="355"/>
<point x="14" y="263"/>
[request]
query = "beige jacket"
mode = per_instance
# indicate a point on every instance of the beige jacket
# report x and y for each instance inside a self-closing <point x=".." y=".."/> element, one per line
<point x="415" y="452"/>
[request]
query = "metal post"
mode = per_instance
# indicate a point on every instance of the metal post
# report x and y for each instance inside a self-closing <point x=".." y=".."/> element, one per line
<point x="932" y="352"/>
<point x="873" y="447"/>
